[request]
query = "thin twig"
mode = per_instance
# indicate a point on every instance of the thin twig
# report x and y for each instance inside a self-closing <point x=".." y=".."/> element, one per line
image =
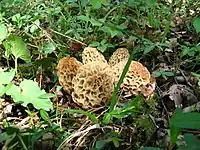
<point x="69" y="37"/>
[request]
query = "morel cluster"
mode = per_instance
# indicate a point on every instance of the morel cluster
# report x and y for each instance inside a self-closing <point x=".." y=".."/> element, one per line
<point x="92" y="83"/>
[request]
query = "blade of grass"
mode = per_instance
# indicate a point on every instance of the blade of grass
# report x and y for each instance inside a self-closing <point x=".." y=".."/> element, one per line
<point x="114" y="95"/>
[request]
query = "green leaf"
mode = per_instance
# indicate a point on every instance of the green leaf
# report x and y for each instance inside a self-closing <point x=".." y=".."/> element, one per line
<point x="96" y="4"/>
<point x="149" y="48"/>
<point x="17" y="47"/>
<point x="35" y="26"/>
<point x="186" y="120"/>
<point x="30" y="92"/>
<point x="84" y="18"/>
<point x="95" y="22"/>
<point x="102" y="48"/>
<point x="45" y="116"/>
<point x="192" y="141"/>
<point x="47" y="95"/>
<point x="196" y="24"/>
<point x="6" y="77"/>
<point x="156" y="74"/>
<point x="94" y="44"/>
<point x="106" y="118"/>
<point x="16" y="17"/>
<point x="49" y="48"/>
<point x="3" y="89"/>
<point x="100" y="144"/>
<point x="3" y="32"/>
<point x="169" y="74"/>
<point x="116" y="142"/>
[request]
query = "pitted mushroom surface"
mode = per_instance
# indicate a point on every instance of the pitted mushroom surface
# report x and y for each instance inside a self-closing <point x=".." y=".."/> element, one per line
<point x="66" y="70"/>
<point x="121" y="54"/>
<point x="93" y="84"/>
<point x="136" y="81"/>
<point x="92" y="54"/>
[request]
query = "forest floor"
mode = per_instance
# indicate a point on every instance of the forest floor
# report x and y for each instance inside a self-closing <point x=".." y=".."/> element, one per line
<point x="37" y="113"/>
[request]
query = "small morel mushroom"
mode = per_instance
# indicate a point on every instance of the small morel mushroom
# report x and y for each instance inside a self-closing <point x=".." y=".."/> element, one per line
<point x="136" y="81"/>
<point x="92" y="54"/>
<point x="119" y="55"/>
<point x="93" y="84"/>
<point x="66" y="70"/>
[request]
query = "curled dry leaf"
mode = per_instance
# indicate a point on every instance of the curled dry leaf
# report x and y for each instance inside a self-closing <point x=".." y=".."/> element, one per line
<point x="92" y="54"/>
<point x="93" y="84"/>
<point x="67" y="70"/>
<point x="181" y="95"/>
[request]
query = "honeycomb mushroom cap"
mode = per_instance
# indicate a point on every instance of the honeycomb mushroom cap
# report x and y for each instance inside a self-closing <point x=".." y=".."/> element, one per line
<point x="93" y="84"/>
<point x="92" y="54"/>
<point x="66" y="70"/>
<point x="121" y="54"/>
<point x="136" y="81"/>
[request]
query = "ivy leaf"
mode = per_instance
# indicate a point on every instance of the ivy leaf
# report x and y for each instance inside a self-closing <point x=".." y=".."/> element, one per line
<point x="30" y="92"/>
<point x="196" y="24"/>
<point x="3" y="32"/>
<point x="17" y="47"/>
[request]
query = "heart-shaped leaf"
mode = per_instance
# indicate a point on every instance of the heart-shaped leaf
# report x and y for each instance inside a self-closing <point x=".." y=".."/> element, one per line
<point x="30" y="92"/>
<point x="17" y="47"/>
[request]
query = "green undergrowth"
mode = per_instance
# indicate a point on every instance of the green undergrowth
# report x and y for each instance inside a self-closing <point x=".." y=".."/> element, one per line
<point x="35" y="34"/>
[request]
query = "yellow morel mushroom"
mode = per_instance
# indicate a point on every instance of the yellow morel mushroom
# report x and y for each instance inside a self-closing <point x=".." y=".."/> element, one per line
<point x="92" y="54"/>
<point x="66" y="70"/>
<point x="93" y="84"/>
<point x="136" y="81"/>
<point x="119" y="55"/>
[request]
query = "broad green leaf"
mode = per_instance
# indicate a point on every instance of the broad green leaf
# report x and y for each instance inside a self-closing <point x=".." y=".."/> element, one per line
<point x="196" y="24"/>
<point x="100" y="144"/>
<point x="96" y="4"/>
<point x="84" y="18"/>
<point x="192" y="141"/>
<point x="49" y="47"/>
<point x="95" y="22"/>
<point x="6" y="77"/>
<point x="30" y="92"/>
<point x="3" y="32"/>
<point x="17" y="47"/>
